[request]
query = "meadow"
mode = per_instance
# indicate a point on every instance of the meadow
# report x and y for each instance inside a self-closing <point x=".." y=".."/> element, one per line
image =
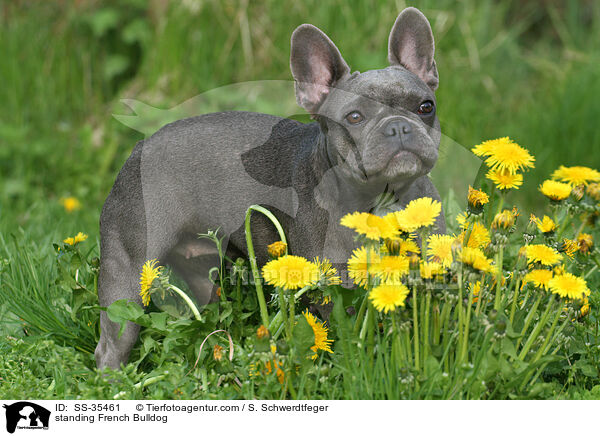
<point x="524" y="69"/>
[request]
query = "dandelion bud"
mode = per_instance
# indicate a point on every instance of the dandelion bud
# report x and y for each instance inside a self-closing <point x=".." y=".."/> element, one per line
<point x="393" y="246"/>
<point x="585" y="243"/>
<point x="503" y="220"/>
<point x="218" y="353"/>
<point x="415" y="261"/>
<point x="277" y="249"/>
<point x="569" y="247"/>
<point x="500" y="325"/>
<point x="532" y="224"/>
<point x="476" y="199"/>
<point x="593" y="191"/>
<point x="577" y="192"/>
<point x="262" y="332"/>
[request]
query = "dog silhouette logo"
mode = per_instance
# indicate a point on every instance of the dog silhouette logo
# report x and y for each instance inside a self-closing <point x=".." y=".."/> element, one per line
<point x="26" y="415"/>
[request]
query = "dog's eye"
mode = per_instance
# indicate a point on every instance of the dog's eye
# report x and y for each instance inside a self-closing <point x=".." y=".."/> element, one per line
<point x="354" y="117"/>
<point x="426" y="108"/>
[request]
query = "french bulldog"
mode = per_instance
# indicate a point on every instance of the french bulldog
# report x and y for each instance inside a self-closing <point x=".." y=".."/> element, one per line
<point x="375" y="135"/>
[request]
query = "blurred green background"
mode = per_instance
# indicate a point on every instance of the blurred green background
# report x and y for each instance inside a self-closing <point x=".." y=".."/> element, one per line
<point x="520" y="68"/>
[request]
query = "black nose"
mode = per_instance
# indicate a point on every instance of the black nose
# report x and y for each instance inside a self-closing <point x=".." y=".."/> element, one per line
<point x="397" y="128"/>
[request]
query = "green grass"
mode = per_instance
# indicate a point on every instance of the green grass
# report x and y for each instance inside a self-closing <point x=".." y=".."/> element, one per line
<point x="523" y="69"/>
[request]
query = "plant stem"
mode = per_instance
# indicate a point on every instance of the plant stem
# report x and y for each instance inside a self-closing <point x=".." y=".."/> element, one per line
<point x="415" y="328"/>
<point x="515" y="298"/>
<point x="426" y="327"/>
<point x="264" y="313"/>
<point x="444" y="315"/>
<point x="499" y="261"/>
<point x="292" y="314"/>
<point x="583" y="219"/>
<point x="563" y="227"/>
<point x="536" y="331"/>
<point x="407" y="347"/>
<point x="459" y="313"/>
<point x="436" y="322"/>
<point x="188" y="301"/>
<point x="360" y="316"/>
<point x="549" y="336"/>
<point x="283" y="309"/>
<point x="463" y="354"/>
<point x="528" y="320"/>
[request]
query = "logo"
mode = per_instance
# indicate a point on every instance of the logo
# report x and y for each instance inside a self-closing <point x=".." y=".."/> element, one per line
<point x="26" y="415"/>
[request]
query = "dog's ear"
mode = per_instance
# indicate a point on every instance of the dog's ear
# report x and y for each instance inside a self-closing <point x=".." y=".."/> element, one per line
<point x="316" y="65"/>
<point x="411" y="45"/>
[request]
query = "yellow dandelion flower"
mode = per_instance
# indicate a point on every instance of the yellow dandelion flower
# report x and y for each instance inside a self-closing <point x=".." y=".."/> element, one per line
<point x="543" y="254"/>
<point x="569" y="247"/>
<point x="386" y="297"/>
<point x="290" y="272"/>
<point x="262" y="332"/>
<point x="476" y="289"/>
<point x="320" y="331"/>
<point x="277" y="249"/>
<point x="421" y="212"/>
<point x="150" y="272"/>
<point x="391" y="268"/>
<point x="328" y="275"/>
<point x="440" y="249"/>
<point x="477" y="198"/>
<point x="79" y="237"/>
<point x="477" y="259"/>
<point x="593" y="190"/>
<point x="372" y="226"/>
<point x="576" y="175"/>
<point x="479" y="237"/>
<point x="70" y="204"/>
<point x="255" y="370"/>
<point x="539" y="277"/>
<point x="559" y="269"/>
<point x="584" y="310"/>
<point x="569" y="286"/>
<point x="430" y="269"/>
<point x="555" y="190"/>
<point x="585" y="241"/>
<point x="358" y="267"/>
<point x="544" y="225"/>
<point x="461" y="219"/>
<point x="486" y="147"/>
<point x="504" y="179"/>
<point x="505" y="154"/>
<point x="218" y="353"/>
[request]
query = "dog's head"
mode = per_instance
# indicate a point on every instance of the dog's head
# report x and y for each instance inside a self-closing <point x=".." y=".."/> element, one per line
<point x="381" y="125"/>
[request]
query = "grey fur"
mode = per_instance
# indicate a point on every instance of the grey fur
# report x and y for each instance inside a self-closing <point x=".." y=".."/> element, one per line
<point x="201" y="173"/>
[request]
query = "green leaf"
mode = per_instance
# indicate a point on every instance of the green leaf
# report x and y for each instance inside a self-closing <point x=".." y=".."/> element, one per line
<point x="122" y="311"/>
<point x="508" y="348"/>
<point x="159" y="321"/>
<point x="303" y="338"/>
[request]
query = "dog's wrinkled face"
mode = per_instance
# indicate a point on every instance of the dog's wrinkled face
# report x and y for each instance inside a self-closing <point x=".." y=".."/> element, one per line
<point x="381" y="125"/>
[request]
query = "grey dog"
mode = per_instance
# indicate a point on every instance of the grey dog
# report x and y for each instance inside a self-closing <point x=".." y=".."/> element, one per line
<point x="375" y="134"/>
